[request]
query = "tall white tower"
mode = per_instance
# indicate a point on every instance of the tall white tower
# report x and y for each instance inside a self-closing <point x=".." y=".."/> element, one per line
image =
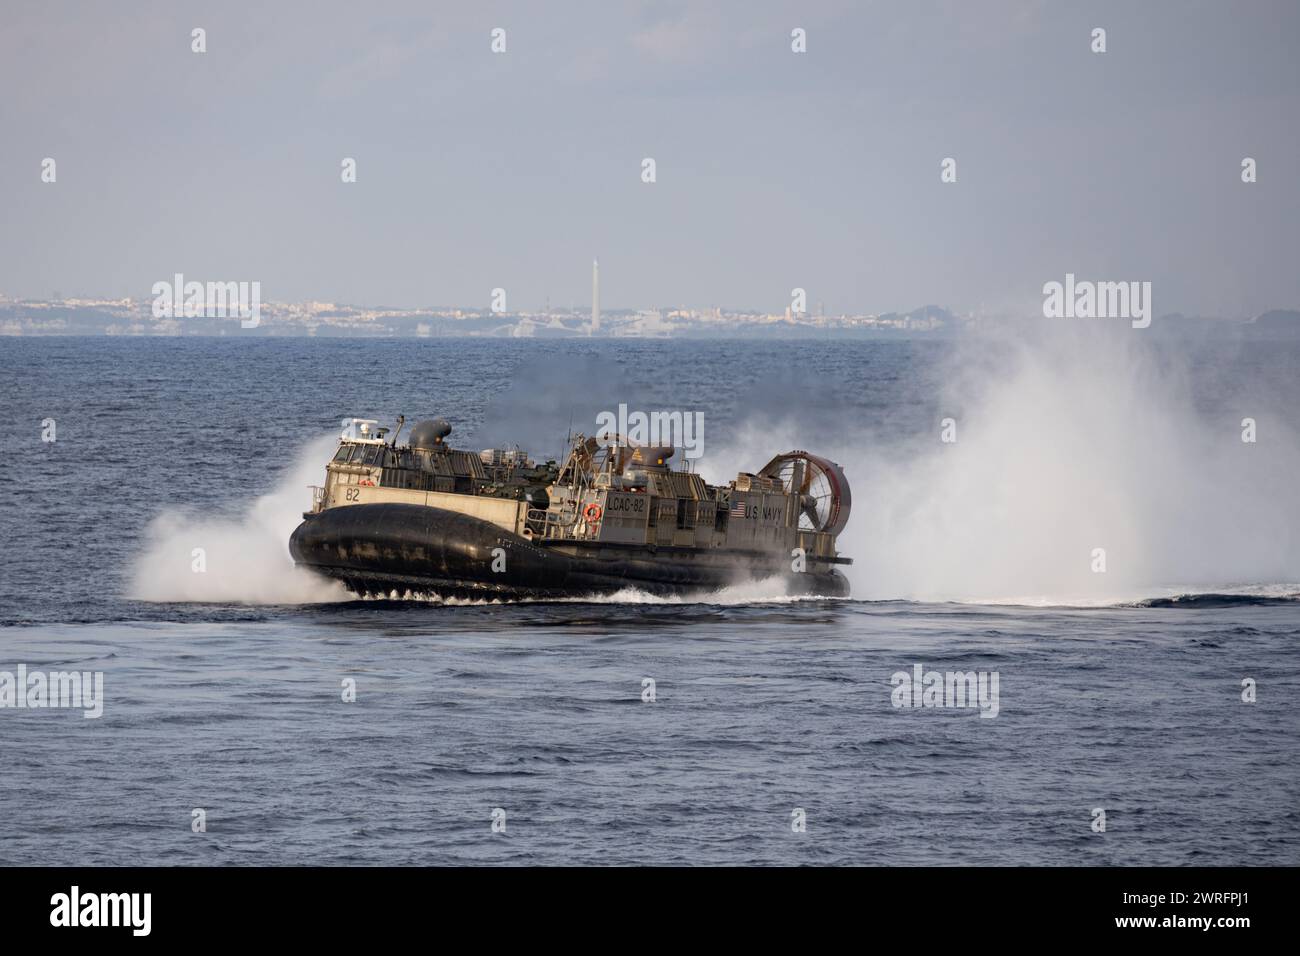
<point x="595" y="297"/>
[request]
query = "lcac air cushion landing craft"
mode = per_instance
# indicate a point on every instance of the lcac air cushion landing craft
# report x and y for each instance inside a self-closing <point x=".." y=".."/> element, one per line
<point x="427" y="519"/>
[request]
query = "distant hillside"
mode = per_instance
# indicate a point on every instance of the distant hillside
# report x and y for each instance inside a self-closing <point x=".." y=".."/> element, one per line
<point x="1279" y="320"/>
<point x="927" y="316"/>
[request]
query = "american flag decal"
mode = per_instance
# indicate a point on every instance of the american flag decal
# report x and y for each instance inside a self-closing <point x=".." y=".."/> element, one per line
<point x="738" y="509"/>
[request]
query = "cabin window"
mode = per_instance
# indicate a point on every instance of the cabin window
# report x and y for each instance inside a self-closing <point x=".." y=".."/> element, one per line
<point x="342" y="453"/>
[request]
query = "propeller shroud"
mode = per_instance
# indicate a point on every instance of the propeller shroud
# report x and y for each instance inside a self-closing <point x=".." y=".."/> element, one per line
<point x="825" y="500"/>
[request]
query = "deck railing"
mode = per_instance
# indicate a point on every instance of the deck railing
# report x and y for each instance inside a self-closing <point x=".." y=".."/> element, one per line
<point x="548" y="524"/>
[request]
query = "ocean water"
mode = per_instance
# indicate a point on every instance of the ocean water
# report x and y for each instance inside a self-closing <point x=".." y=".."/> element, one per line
<point x="1119" y="690"/>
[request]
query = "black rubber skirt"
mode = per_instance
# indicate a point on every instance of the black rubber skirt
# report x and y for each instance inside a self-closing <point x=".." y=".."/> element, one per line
<point x="384" y="548"/>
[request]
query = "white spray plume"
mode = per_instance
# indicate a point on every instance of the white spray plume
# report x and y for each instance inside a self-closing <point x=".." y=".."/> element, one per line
<point x="1066" y="443"/>
<point x="246" y="558"/>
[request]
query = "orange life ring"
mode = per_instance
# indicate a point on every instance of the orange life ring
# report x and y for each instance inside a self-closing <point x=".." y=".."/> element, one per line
<point x="592" y="513"/>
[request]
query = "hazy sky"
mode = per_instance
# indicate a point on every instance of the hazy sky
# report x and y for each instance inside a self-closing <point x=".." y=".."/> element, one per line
<point x="775" y="169"/>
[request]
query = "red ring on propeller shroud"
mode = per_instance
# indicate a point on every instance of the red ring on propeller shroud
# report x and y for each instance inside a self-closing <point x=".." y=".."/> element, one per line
<point x="841" y="499"/>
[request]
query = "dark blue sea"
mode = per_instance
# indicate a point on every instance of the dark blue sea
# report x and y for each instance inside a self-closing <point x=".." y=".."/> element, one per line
<point x="1160" y="690"/>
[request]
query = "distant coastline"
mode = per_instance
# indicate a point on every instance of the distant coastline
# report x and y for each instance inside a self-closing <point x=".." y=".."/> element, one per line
<point x="134" y="317"/>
